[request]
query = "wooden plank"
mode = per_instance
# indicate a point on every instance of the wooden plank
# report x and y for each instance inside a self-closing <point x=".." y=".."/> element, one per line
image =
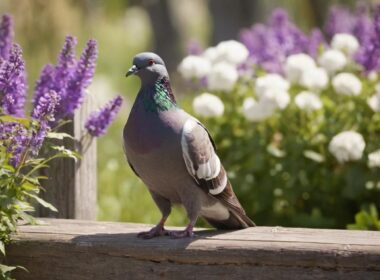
<point x="68" y="249"/>
<point x="71" y="186"/>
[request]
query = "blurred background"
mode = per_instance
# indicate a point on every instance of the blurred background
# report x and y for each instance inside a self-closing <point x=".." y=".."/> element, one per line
<point x="122" y="29"/>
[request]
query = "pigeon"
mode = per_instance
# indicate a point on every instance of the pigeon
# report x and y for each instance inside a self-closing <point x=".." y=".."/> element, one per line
<point x="175" y="156"/>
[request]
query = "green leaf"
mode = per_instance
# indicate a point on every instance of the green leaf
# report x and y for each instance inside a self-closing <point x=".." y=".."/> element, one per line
<point x="66" y="152"/>
<point x="59" y="135"/>
<point x="314" y="156"/>
<point x="9" y="118"/>
<point x="6" y="268"/>
<point x="2" y="247"/>
<point x="43" y="202"/>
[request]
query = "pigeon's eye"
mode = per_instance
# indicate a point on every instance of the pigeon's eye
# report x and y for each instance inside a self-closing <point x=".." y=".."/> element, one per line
<point x="151" y="62"/>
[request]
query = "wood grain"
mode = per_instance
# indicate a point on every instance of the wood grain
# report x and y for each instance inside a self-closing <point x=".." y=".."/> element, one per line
<point x="72" y="249"/>
<point x="71" y="186"/>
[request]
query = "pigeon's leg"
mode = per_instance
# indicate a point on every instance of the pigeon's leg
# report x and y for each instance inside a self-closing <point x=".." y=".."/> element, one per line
<point x="192" y="207"/>
<point x="165" y="207"/>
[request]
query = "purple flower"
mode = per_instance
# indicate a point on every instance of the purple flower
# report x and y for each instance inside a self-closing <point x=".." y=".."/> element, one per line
<point x="369" y="54"/>
<point x="79" y="81"/>
<point x="194" y="47"/>
<point x="339" y="20"/>
<point x="66" y="65"/>
<point x="13" y="83"/>
<point x="98" y="121"/>
<point x="363" y="28"/>
<point x="15" y="138"/>
<point x="6" y="36"/>
<point x="45" y="107"/>
<point x="44" y="83"/>
<point x="38" y="137"/>
<point x="316" y="40"/>
<point x="270" y="44"/>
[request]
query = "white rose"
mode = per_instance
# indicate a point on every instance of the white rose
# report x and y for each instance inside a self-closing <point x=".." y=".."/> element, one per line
<point x="374" y="102"/>
<point x="308" y="101"/>
<point x="275" y="97"/>
<point x="256" y="112"/>
<point x="222" y="76"/>
<point x="296" y="64"/>
<point x="208" y="105"/>
<point x="347" y="146"/>
<point x="345" y="43"/>
<point x="268" y="81"/>
<point x="194" y="67"/>
<point x="374" y="159"/>
<point x="232" y="51"/>
<point x="347" y="84"/>
<point x="332" y="60"/>
<point x="314" y="79"/>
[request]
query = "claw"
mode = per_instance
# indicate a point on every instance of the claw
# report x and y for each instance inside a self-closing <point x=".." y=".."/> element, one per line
<point x="153" y="232"/>
<point x="187" y="232"/>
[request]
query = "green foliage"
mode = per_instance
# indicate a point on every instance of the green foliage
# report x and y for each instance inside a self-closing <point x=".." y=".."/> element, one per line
<point x="281" y="169"/>
<point x="20" y="186"/>
<point x="366" y="219"/>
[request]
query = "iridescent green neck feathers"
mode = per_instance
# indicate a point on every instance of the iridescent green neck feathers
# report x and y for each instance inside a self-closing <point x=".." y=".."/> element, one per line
<point x="160" y="98"/>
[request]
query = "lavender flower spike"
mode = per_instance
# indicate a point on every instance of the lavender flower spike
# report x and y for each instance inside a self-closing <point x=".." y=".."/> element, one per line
<point x="45" y="108"/>
<point x="99" y="121"/>
<point x="44" y="83"/>
<point x="81" y="79"/>
<point x="66" y="64"/>
<point x="6" y="36"/>
<point x="369" y="54"/>
<point x="13" y="83"/>
<point x="14" y="137"/>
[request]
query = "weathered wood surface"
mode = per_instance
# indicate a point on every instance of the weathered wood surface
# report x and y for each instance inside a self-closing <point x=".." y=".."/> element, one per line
<point x="73" y="249"/>
<point x="72" y="189"/>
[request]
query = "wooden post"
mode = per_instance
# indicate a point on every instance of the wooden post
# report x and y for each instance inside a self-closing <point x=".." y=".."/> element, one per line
<point x="71" y="186"/>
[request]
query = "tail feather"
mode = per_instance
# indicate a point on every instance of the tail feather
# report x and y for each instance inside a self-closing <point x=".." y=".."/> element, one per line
<point x="234" y="222"/>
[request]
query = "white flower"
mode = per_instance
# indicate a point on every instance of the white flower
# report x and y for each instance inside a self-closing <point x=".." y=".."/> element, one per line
<point x="347" y="84"/>
<point x="347" y="146"/>
<point x="372" y="76"/>
<point x="222" y="76"/>
<point x="208" y="105"/>
<point x="345" y="43"/>
<point x="211" y="54"/>
<point x="268" y="81"/>
<point x="193" y="66"/>
<point x="314" y="79"/>
<point x="296" y="64"/>
<point x="256" y="112"/>
<point x="308" y="101"/>
<point x="332" y="60"/>
<point x="374" y="102"/>
<point x="275" y="97"/>
<point x="374" y="159"/>
<point x="232" y="51"/>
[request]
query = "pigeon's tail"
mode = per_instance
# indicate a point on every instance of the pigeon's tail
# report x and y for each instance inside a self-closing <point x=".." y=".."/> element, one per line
<point x="235" y="221"/>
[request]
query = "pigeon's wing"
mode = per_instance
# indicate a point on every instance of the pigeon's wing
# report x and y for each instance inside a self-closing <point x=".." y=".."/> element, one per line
<point x="204" y="166"/>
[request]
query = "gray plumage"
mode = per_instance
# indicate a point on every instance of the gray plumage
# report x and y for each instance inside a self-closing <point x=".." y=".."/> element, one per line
<point x="174" y="155"/>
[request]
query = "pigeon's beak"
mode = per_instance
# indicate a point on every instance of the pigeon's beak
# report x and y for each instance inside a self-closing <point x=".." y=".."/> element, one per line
<point x="133" y="70"/>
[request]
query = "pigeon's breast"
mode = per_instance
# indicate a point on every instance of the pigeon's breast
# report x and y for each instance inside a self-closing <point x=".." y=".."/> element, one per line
<point x="153" y="147"/>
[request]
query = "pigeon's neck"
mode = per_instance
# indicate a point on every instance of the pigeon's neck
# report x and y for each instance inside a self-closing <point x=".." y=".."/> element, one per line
<point x="157" y="96"/>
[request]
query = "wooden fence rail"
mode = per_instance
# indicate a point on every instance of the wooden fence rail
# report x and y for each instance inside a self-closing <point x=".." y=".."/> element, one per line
<point x="73" y="249"/>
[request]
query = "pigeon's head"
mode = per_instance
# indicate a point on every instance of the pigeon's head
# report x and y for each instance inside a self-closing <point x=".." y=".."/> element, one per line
<point x="148" y="66"/>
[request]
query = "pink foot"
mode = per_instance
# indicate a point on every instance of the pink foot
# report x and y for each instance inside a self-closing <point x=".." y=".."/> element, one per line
<point x="153" y="232"/>
<point x="188" y="232"/>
